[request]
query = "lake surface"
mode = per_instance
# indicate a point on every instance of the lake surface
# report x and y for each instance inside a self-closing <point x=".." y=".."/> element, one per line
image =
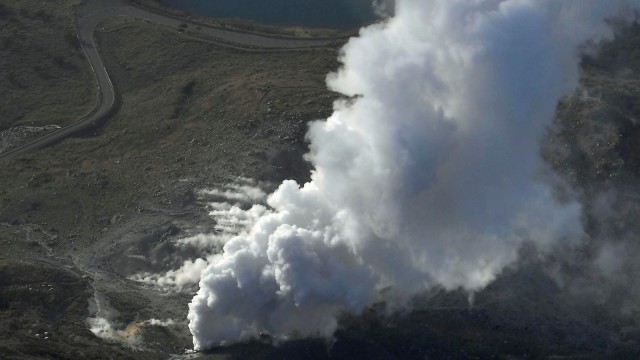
<point x="343" y="14"/>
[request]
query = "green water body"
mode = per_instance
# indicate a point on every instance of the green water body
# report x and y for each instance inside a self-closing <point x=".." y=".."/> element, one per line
<point x="341" y="14"/>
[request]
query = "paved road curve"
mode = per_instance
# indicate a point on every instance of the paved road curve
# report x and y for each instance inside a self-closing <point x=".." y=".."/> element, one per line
<point x="92" y="12"/>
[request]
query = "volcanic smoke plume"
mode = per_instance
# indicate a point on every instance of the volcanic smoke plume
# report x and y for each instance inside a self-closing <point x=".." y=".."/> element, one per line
<point x="427" y="174"/>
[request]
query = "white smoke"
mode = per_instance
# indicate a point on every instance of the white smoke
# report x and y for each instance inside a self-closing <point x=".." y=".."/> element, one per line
<point x="179" y="279"/>
<point x="429" y="175"/>
<point x="129" y="335"/>
<point x="102" y="323"/>
<point x="230" y="220"/>
<point x="243" y="190"/>
<point x="162" y="323"/>
<point x="384" y="8"/>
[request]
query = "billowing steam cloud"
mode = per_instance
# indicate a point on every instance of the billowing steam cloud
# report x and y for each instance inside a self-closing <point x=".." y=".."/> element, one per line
<point x="428" y="175"/>
<point x="384" y="8"/>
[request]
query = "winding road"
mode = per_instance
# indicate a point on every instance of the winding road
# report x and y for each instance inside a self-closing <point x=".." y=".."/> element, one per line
<point x="93" y="12"/>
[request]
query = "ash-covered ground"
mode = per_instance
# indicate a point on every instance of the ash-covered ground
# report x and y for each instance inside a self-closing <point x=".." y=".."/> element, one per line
<point x="79" y="219"/>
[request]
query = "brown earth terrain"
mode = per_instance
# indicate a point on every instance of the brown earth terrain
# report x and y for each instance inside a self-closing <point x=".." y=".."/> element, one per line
<point x="193" y="114"/>
<point x="196" y="115"/>
<point x="45" y="78"/>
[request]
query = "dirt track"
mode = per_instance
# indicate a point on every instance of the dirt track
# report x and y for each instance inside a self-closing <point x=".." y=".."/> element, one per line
<point x="92" y="13"/>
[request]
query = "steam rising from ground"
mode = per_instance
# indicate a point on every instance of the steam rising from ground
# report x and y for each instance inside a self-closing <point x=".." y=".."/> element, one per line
<point x="102" y="324"/>
<point x="429" y="175"/>
<point x="226" y="208"/>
